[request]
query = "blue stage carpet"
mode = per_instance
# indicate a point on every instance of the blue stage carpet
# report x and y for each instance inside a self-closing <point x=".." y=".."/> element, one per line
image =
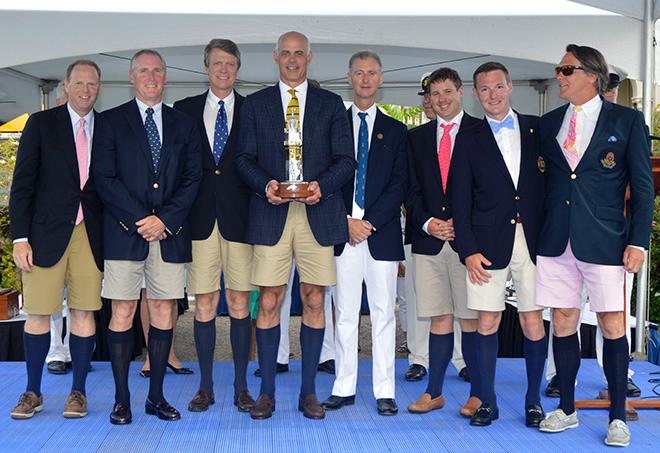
<point x="355" y="428"/>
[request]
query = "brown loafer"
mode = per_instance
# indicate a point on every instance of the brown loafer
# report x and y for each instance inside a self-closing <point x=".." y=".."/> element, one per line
<point x="201" y="401"/>
<point x="470" y="407"/>
<point x="426" y="404"/>
<point x="243" y="401"/>
<point x="263" y="408"/>
<point x="311" y="407"/>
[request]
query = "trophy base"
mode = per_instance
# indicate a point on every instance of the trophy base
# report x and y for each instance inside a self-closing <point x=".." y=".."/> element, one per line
<point x="293" y="190"/>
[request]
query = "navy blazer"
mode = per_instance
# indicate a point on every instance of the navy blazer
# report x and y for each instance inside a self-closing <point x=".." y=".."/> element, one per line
<point x="385" y="190"/>
<point x="585" y="206"/>
<point x="486" y="201"/>
<point x="426" y="198"/>
<point x="327" y="158"/>
<point x="45" y="191"/>
<point x="131" y="190"/>
<point x="222" y="196"/>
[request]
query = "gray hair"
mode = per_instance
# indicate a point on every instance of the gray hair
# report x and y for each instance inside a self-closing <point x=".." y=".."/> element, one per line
<point x="308" y="47"/>
<point x="153" y="52"/>
<point x="363" y="55"/>
<point x="225" y="45"/>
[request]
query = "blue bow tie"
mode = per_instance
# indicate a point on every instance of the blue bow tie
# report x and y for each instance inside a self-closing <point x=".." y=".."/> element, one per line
<point x="497" y="126"/>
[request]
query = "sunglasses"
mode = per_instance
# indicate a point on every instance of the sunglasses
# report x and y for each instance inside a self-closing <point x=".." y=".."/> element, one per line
<point x="567" y="69"/>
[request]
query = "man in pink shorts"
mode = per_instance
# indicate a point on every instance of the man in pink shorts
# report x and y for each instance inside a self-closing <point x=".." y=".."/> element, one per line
<point x="591" y="150"/>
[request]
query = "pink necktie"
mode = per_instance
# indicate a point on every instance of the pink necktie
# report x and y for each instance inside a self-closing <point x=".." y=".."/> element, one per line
<point x="444" y="154"/>
<point x="570" y="151"/>
<point x="82" y="148"/>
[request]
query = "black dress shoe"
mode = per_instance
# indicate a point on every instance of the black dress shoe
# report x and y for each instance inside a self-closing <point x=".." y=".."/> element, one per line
<point x="485" y="415"/>
<point x="327" y="367"/>
<point x="415" y="373"/>
<point x="145" y="373"/>
<point x="632" y="390"/>
<point x="533" y="415"/>
<point x="281" y="368"/>
<point x="201" y="401"/>
<point x="335" y="402"/>
<point x="56" y="367"/>
<point x="243" y="401"/>
<point x="163" y="410"/>
<point x="263" y="408"/>
<point x="311" y="408"/>
<point x="121" y="414"/>
<point x="182" y="370"/>
<point x="68" y="365"/>
<point x="552" y="390"/>
<point x="464" y="374"/>
<point x="387" y="406"/>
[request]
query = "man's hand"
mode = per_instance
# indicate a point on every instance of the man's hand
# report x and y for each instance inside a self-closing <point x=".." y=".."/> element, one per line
<point x="633" y="258"/>
<point x="315" y="193"/>
<point x="402" y="270"/>
<point x="476" y="272"/>
<point x="151" y="228"/>
<point x="358" y="231"/>
<point x="23" y="256"/>
<point x="441" y="229"/>
<point x="271" y="194"/>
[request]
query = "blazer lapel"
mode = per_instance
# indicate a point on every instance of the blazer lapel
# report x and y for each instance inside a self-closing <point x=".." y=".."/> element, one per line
<point x="274" y="113"/>
<point x="555" y="150"/>
<point x="431" y="151"/>
<point x="492" y="149"/>
<point x="67" y="142"/>
<point x="169" y="132"/>
<point x="602" y="125"/>
<point x="525" y="154"/>
<point x="135" y="122"/>
<point x="312" y="112"/>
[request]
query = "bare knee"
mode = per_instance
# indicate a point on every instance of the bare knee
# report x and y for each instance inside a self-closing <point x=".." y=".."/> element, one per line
<point x="82" y="323"/>
<point x="531" y="323"/>
<point x="122" y="314"/>
<point x="442" y="325"/>
<point x="565" y="321"/>
<point x="612" y="324"/>
<point x="37" y="324"/>
<point x="238" y="303"/>
<point x="160" y="313"/>
<point x="489" y="322"/>
<point x="206" y="306"/>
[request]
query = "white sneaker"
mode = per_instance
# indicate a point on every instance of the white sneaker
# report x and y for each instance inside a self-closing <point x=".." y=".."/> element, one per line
<point x="557" y="421"/>
<point x="618" y="434"/>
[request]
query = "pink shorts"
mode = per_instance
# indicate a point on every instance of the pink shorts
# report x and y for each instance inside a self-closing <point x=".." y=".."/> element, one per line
<point x="559" y="283"/>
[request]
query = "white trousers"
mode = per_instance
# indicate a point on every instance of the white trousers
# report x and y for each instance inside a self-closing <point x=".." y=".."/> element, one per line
<point x="59" y="350"/>
<point x="551" y="371"/>
<point x="328" y="349"/>
<point x="354" y="266"/>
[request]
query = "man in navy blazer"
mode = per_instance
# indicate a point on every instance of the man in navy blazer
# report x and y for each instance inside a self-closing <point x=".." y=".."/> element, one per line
<point x="497" y="197"/>
<point x="56" y="226"/>
<point x="438" y="273"/>
<point x="592" y="150"/>
<point x="218" y="220"/>
<point x="279" y="228"/>
<point x="372" y="204"/>
<point x="147" y="167"/>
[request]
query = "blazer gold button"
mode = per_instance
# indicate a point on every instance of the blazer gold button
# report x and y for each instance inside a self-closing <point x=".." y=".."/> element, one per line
<point x="444" y="209"/>
<point x="217" y="172"/>
<point x="513" y="221"/>
<point x="517" y="197"/>
<point x="156" y="186"/>
<point x="568" y="202"/>
<point x="573" y="176"/>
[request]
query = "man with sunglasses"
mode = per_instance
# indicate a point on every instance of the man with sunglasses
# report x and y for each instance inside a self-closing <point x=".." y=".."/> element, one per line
<point x="591" y="151"/>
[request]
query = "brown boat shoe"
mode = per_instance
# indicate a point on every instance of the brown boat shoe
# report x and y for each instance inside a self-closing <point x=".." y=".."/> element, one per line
<point x="28" y="404"/>
<point x="76" y="405"/>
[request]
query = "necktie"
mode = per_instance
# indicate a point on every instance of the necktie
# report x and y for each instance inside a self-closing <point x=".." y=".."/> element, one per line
<point x="153" y="137"/>
<point x="506" y="123"/>
<point x="82" y="148"/>
<point x="362" y="160"/>
<point x="444" y="153"/>
<point x="221" y="132"/>
<point x="293" y="109"/>
<point x="570" y="151"/>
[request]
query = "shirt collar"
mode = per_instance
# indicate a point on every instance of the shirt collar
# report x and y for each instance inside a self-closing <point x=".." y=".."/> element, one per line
<point x="511" y="114"/>
<point x="143" y="107"/>
<point x="75" y="117"/>
<point x="371" y="111"/>
<point x="301" y="90"/>
<point x="213" y="99"/>
<point x="591" y="106"/>
<point x="456" y="120"/>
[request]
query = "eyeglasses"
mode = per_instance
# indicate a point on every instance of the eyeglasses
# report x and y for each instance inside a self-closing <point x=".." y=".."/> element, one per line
<point x="568" y="69"/>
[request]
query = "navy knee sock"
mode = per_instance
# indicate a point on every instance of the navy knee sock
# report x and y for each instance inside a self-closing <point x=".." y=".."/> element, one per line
<point x="268" y="342"/>
<point x="487" y="347"/>
<point x="158" y="347"/>
<point x="120" y="349"/>
<point x="615" y="364"/>
<point x="469" y="350"/>
<point x="204" y="333"/>
<point x="311" y="342"/>
<point x="440" y="350"/>
<point x="240" y="333"/>
<point x="534" y="353"/>
<point x="82" y="349"/>
<point x="567" y="361"/>
<point x="36" y="349"/>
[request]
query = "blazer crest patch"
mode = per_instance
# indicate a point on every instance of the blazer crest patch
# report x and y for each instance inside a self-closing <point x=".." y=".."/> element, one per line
<point x="540" y="163"/>
<point x="608" y="161"/>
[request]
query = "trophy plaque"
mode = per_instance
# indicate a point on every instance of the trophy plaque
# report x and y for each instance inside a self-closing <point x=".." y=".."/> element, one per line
<point x="8" y="304"/>
<point x="294" y="186"/>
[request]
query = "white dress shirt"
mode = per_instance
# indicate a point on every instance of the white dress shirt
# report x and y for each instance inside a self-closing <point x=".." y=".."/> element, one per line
<point x="508" y="141"/>
<point x="158" y="115"/>
<point x="358" y="212"/>
<point x="211" y="108"/>
<point x="585" y="124"/>
<point x="301" y="94"/>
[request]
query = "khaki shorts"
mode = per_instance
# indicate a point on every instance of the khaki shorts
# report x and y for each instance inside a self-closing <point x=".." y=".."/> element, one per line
<point x="164" y="281"/>
<point x="315" y="263"/>
<point x="43" y="287"/>
<point x="491" y="296"/>
<point x="214" y="256"/>
<point x="440" y="285"/>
